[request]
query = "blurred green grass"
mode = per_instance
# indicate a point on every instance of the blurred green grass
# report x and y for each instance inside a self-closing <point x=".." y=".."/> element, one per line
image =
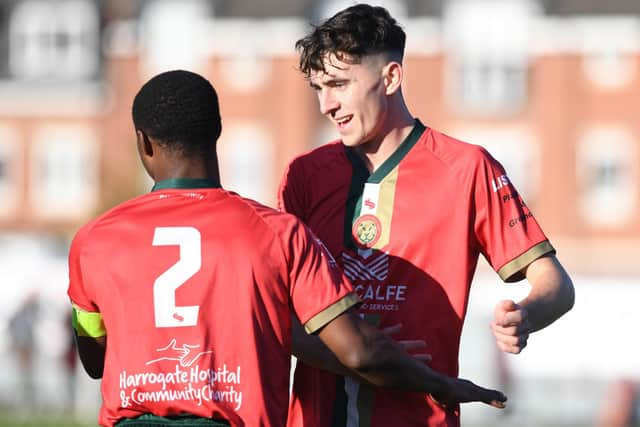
<point x="23" y="420"/>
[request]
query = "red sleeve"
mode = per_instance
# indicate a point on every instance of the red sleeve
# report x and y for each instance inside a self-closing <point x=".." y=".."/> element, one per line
<point x="291" y="192"/>
<point x="509" y="235"/>
<point x="319" y="290"/>
<point x="77" y="291"/>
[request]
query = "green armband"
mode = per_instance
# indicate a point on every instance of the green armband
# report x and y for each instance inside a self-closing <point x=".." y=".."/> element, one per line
<point x="88" y="324"/>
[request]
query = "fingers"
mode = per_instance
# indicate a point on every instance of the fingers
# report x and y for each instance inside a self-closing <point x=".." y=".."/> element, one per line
<point x="463" y="391"/>
<point x="511" y="339"/>
<point x="493" y="398"/>
<point x="497" y="404"/>
<point x="424" y="357"/>
<point x="413" y="345"/>
<point x="391" y="330"/>
<point x="505" y="306"/>
<point x="508" y="313"/>
<point x="515" y="317"/>
<point x="409" y="345"/>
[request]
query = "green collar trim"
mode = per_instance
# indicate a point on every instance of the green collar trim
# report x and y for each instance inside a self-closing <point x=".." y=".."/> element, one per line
<point x="186" y="183"/>
<point x="378" y="175"/>
<point x="360" y="176"/>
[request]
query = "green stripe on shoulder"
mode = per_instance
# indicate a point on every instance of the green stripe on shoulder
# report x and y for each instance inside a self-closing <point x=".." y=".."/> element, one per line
<point x="87" y="324"/>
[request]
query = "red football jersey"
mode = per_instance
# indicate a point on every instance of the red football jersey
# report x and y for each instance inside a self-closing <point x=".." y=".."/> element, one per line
<point x="409" y="236"/>
<point x="196" y="287"/>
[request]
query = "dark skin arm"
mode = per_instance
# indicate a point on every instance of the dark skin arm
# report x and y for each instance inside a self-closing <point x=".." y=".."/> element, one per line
<point x="91" y="351"/>
<point x="382" y="362"/>
<point x="310" y="349"/>
<point x="313" y="352"/>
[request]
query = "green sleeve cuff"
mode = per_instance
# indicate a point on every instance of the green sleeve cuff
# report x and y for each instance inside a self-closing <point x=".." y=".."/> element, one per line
<point x="87" y="324"/>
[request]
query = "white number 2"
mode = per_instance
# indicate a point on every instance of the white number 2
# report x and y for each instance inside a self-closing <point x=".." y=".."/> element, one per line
<point x="167" y="314"/>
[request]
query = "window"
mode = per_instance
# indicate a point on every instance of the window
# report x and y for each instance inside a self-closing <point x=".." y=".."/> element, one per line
<point x="54" y="40"/>
<point x="246" y="159"/>
<point x="487" y="71"/>
<point x="64" y="172"/>
<point x="610" y="46"/>
<point x="607" y="177"/>
<point x="174" y="34"/>
<point x="483" y="85"/>
<point x="9" y="171"/>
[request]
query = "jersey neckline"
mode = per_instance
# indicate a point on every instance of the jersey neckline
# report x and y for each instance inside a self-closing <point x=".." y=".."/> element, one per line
<point x="387" y="166"/>
<point x="177" y="183"/>
<point x="361" y="176"/>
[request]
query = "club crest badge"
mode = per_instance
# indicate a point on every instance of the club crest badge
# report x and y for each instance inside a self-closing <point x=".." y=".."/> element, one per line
<point x="367" y="231"/>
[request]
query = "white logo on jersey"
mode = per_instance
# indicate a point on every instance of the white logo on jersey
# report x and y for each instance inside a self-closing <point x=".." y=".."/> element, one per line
<point x="186" y="355"/>
<point x="499" y="182"/>
<point x="374" y="266"/>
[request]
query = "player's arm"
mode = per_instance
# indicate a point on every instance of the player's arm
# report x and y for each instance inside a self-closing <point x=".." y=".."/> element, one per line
<point x="310" y="349"/>
<point x="91" y="339"/>
<point x="382" y="362"/>
<point x="551" y="295"/>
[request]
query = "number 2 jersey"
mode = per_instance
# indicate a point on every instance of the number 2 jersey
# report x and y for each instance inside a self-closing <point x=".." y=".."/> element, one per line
<point x="408" y="236"/>
<point x="195" y="287"/>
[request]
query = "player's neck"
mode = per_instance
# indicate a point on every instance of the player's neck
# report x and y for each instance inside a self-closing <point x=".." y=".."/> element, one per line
<point x="190" y="169"/>
<point x="375" y="152"/>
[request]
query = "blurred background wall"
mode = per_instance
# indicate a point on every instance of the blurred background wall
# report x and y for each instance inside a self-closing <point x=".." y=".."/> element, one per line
<point x="550" y="87"/>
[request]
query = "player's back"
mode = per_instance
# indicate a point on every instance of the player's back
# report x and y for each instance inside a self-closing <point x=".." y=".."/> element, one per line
<point x="193" y="292"/>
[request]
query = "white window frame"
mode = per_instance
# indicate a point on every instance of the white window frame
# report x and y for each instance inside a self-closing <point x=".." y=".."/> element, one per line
<point x="607" y="176"/>
<point x="246" y="161"/>
<point x="173" y="34"/>
<point x="35" y="30"/>
<point x="486" y="72"/>
<point x="609" y="47"/>
<point x="64" y="172"/>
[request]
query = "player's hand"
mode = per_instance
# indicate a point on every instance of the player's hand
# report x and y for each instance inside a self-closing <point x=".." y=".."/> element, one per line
<point x="410" y="346"/>
<point x="458" y="391"/>
<point x="510" y="326"/>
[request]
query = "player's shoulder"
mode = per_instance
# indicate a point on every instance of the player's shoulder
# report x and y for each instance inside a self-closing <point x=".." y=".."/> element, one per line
<point x="319" y="158"/>
<point x="83" y="235"/>
<point x="453" y="151"/>
<point x="276" y="220"/>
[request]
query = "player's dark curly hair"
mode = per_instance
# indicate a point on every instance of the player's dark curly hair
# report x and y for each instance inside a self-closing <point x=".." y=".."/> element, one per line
<point x="350" y="34"/>
<point x="180" y="110"/>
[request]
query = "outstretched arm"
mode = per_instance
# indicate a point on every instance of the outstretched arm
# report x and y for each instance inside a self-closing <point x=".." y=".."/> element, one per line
<point x="312" y="351"/>
<point x="382" y="362"/>
<point x="551" y="296"/>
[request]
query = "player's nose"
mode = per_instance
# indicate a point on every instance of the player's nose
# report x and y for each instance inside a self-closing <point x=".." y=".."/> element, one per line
<point x="328" y="103"/>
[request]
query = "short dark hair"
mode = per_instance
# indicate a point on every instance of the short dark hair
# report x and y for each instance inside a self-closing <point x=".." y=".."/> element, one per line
<point x="351" y="34"/>
<point x="180" y="110"/>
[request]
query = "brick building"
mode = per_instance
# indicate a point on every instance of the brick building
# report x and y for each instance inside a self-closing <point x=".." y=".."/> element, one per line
<point x="549" y="87"/>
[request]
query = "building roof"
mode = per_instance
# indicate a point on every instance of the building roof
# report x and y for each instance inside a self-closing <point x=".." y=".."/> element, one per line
<point x="591" y="7"/>
<point x="427" y="8"/>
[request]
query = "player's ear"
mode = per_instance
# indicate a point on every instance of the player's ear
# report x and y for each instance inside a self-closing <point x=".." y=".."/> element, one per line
<point x="392" y="74"/>
<point x="144" y="144"/>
